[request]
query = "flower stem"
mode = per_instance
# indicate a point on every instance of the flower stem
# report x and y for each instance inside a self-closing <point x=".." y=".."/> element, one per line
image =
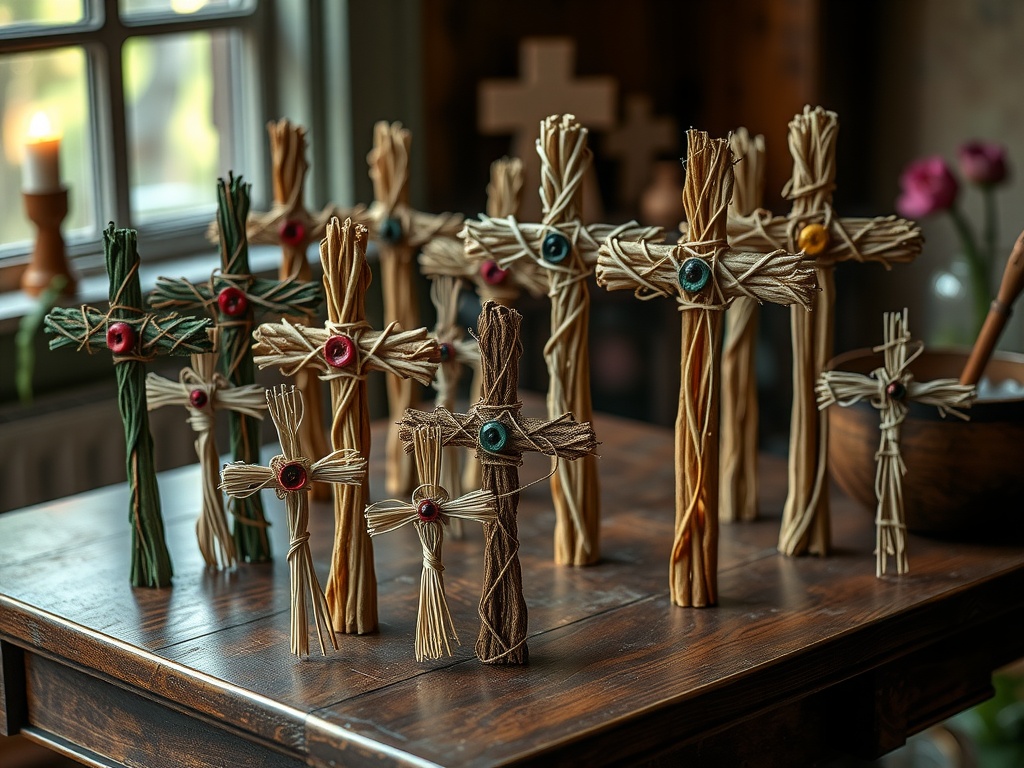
<point x="977" y="267"/>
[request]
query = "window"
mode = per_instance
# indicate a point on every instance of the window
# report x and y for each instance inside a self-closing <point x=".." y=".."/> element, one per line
<point x="153" y="100"/>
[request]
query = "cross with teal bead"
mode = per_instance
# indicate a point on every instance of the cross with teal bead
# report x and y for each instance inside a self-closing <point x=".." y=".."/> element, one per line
<point x="703" y="275"/>
<point x="400" y="231"/>
<point x="234" y="297"/>
<point x="134" y="337"/>
<point x="890" y="389"/>
<point x="500" y="435"/>
<point x="565" y="249"/>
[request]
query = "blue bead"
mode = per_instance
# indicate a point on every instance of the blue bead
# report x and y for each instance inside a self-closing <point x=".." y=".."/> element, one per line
<point x="391" y="230"/>
<point x="555" y="248"/>
<point x="493" y="436"/>
<point x="694" y="274"/>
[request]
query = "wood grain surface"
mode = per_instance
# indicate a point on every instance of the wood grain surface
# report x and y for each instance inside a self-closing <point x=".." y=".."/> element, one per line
<point x="803" y="658"/>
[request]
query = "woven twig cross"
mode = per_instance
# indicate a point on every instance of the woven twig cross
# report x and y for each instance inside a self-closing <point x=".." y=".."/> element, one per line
<point x="890" y="389"/>
<point x="290" y="475"/>
<point x="430" y="510"/>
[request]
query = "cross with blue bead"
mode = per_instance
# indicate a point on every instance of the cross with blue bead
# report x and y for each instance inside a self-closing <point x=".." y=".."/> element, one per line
<point x="501" y="435"/>
<point x="704" y="275"/>
<point x="565" y="250"/>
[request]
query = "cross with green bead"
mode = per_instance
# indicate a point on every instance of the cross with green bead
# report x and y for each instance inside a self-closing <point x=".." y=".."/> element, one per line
<point x="134" y="337"/>
<point x="501" y="435"/>
<point x="234" y="296"/>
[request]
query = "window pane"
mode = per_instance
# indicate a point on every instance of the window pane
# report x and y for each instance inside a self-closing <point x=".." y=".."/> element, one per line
<point x="40" y="12"/>
<point x="131" y="8"/>
<point x="53" y="83"/>
<point x="173" y="141"/>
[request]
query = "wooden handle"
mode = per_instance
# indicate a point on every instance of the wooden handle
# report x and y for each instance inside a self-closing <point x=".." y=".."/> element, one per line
<point x="1009" y="290"/>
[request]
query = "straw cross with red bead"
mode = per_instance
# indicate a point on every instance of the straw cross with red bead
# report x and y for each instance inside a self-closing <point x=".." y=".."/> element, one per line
<point x="134" y="337"/>
<point x="343" y="352"/>
<point x="891" y="389"/>
<point x="290" y="475"/>
<point x="234" y="296"/>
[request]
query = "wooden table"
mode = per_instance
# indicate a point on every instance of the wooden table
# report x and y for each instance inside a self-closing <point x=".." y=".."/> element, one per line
<point x="804" y="658"/>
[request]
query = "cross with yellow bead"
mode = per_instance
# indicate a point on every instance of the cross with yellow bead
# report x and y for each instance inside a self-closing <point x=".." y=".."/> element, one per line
<point x="812" y="226"/>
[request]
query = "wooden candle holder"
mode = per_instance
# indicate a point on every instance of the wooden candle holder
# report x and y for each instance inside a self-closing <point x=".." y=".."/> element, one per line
<point x="47" y="211"/>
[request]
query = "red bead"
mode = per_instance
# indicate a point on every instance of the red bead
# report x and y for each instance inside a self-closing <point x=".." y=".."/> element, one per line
<point x="339" y="351"/>
<point x="429" y="511"/>
<point x="492" y="273"/>
<point x="232" y="301"/>
<point x="293" y="477"/>
<point x="291" y="232"/>
<point x="896" y="390"/>
<point x="120" y="338"/>
<point x="198" y="398"/>
<point x="447" y="351"/>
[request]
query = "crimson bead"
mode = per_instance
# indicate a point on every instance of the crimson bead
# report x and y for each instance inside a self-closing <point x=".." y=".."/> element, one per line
<point x="198" y="398"/>
<point x="492" y="273"/>
<point x="293" y="477"/>
<point x="428" y="510"/>
<point x="447" y="351"/>
<point x="232" y="301"/>
<point x="291" y="232"/>
<point x="120" y="338"/>
<point x="339" y="351"/>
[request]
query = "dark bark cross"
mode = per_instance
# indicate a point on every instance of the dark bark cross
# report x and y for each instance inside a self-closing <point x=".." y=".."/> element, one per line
<point x="233" y="297"/>
<point x="501" y="435"/>
<point x="134" y="337"/>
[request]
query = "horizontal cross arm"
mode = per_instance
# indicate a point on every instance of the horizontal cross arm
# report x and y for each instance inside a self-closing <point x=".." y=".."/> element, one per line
<point x="286" y="297"/>
<point x="86" y="328"/>
<point x="445" y="256"/>
<point x="596" y="234"/>
<point x="179" y="293"/>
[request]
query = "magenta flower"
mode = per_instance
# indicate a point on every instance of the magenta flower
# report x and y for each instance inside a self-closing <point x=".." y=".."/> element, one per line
<point x="982" y="162"/>
<point x="927" y="186"/>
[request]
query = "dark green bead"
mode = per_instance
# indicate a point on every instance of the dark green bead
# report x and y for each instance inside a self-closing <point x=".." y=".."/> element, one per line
<point x="555" y="248"/>
<point x="493" y="436"/>
<point x="694" y="274"/>
<point x="391" y="230"/>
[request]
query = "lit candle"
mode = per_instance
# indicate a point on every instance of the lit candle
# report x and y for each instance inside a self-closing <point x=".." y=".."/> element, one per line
<point x="41" y="172"/>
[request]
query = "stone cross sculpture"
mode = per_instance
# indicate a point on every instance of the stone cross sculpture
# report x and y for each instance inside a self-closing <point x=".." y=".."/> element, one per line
<point x="204" y="391"/>
<point x="289" y="224"/>
<point x="813" y="226"/>
<point x="399" y="231"/>
<point x="290" y="475"/>
<point x="343" y="352"/>
<point x="432" y="508"/>
<point x="234" y="297"/>
<point x="565" y="249"/>
<point x="134" y="337"/>
<point x="739" y="442"/>
<point x="704" y="275"/>
<point x="501" y="435"/>
<point x="891" y="388"/>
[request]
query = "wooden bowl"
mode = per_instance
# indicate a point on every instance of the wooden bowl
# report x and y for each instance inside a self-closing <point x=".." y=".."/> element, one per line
<point x="965" y="479"/>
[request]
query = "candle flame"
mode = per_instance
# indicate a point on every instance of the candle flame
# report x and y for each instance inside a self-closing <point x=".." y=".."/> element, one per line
<point x="41" y="129"/>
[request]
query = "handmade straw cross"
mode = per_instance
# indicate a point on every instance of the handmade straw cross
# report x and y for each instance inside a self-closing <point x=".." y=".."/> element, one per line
<point x="399" y="231"/>
<point x="501" y="435"/>
<point x="891" y="389"/>
<point x="739" y="441"/>
<point x="234" y="296"/>
<point x="814" y="227"/>
<point x="343" y="352"/>
<point x="564" y="249"/>
<point x="431" y="509"/>
<point x="290" y="475"/>
<point x="445" y="256"/>
<point x="704" y="275"/>
<point x="134" y="337"/>
<point x="204" y="392"/>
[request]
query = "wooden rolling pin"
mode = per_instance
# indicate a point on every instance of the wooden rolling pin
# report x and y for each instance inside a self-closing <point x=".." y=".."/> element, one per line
<point x="998" y="314"/>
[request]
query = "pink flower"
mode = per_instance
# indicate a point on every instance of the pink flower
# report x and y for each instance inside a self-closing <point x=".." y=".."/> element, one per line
<point x="982" y="162"/>
<point x="927" y="186"/>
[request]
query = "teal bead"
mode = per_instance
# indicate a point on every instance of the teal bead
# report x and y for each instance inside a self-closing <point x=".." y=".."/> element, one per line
<point x="391" y="230"/>
<point x="555" y="248"/>
<point x="493" y="436"/>
<point x="694" y="274"/>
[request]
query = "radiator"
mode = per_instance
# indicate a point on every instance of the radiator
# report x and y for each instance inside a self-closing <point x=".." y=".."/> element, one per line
<point x="68" y="445"/>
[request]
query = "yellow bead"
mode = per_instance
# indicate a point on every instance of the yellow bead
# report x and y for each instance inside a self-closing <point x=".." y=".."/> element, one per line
<point x="813" y="239"/>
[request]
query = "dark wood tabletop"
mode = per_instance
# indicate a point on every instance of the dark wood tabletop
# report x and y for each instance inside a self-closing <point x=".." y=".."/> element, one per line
<point x="803" y="659"/>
